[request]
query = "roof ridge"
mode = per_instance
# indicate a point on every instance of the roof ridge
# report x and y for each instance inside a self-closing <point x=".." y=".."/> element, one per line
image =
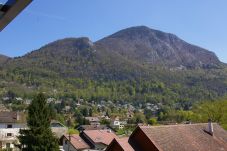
<point x="175" y="125"/>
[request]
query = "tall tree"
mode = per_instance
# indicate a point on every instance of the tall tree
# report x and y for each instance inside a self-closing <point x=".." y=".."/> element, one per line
<point x="38" y="136"/>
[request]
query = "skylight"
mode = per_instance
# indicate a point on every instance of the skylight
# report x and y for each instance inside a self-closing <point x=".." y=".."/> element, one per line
<point x="9" y="9"/>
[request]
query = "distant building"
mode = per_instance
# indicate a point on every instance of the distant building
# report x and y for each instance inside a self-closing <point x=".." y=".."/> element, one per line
<point x="67" y="109"/>
<point x="57" y="101"/>
<point x="27" y="101"/>
<point x="187" y="137"/>
<point x="5" y="98"/>
<point x="19" y="99"/>
<point x="93" y="120"/>
<point x="49" y="100"/>
<point x="10" y="125"/>
<point x="116" y="123"/>
<point x="130" y="114"/>
<point x="58" y="128"/>
<point x="82" y="128"/>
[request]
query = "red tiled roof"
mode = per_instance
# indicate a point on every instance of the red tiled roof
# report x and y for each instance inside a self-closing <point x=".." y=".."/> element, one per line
<point x="191" y="137"/>
<point x="77" y="142"/>
<point x="100" y="136"/>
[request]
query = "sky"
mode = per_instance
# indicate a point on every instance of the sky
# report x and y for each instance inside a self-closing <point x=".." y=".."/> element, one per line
<point x="200" y="22"/>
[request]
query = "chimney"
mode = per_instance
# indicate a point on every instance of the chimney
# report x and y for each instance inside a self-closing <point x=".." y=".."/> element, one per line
<point x="18" y="116"/>
<point x="210" y="127"/>
<point x="109" y="131"/>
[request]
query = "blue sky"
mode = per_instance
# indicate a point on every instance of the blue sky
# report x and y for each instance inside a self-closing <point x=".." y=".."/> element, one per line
<point x="201" y="22"/>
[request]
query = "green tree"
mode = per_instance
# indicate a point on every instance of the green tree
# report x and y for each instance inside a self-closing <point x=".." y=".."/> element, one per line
<point x="38" y="137"/>
<point x="216" y="111"/>
<point x="152" y="121"/>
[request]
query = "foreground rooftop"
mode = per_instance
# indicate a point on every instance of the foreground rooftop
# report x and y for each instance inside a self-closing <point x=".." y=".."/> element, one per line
<point x="183" y="137"/>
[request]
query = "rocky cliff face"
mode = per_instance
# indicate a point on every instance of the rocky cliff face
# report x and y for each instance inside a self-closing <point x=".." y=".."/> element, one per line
<point x="155" y="47"/>
<point x="129" y="53"/>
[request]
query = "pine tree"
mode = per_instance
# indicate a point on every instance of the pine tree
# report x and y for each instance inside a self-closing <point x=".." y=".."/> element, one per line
<point x="38" y="136"/>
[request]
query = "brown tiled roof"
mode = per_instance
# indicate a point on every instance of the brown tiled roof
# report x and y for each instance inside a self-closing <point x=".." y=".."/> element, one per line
<point x="12" y="117"/>
<point x="191" y="137"/>
<point x="77" y="142"/>
<point x="93" y="127"/>
<point x="123" y="142"/>
<point x="100" y="136"/>
<point x="92" y="119"/>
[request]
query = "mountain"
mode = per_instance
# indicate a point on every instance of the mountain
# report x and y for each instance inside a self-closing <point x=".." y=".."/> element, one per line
<point x="135" y="64"/>
<point x="153" y="47"/>
<point x="125" y="54"/>
<point x="3" y="59"/>
<point x="77" y="57"/>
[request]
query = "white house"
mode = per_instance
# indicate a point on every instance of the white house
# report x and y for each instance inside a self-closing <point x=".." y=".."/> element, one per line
<point x="10" y="125"/>
<point x="12" y="122"/>
<point x="93" y="120"/>
<point x="116" y="123"/>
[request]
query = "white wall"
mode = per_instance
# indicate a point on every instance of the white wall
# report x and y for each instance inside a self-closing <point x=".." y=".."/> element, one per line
<point x="14" y="131"/>
<point x="15" y="125"/>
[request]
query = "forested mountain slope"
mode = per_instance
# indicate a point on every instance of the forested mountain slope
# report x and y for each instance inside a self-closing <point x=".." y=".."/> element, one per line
<point x="137" y="64"/>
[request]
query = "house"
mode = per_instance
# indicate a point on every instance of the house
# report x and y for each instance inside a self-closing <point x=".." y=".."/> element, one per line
<point x="98" y="139"/>
<point x="57" y="101"/>
<point x="74" y="143"/>
<point x="12" y="122"/>
<point x="183" y="137"/>
<point x="10" y="125"/>
<point x="93" y="120"/>
<point x="5" y="98"/>
<point x="67" y="109"/>
<point x="49" y="100"/>
<point x="27" y="101"/>
<point x="3" y="108"/>
<point x="19" y="99"/>
<point x="130" y="114"/>
<point x="82" y="128"/>
<point x="88" y="140"/>
<point x="116" y="123"/>
<point x="58" y="129"/>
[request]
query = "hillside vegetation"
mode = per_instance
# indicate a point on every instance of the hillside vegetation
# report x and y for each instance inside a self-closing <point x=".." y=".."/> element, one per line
<point x="136" y="65"/>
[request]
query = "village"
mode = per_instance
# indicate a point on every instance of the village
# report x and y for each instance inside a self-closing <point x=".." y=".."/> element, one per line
<point x="105" y="131"/>
<point x="68" y="83"/>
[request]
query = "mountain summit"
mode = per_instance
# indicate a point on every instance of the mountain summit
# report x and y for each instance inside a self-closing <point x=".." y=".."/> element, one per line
<point x="126" y="54"/>
<point x="154" y="47"/>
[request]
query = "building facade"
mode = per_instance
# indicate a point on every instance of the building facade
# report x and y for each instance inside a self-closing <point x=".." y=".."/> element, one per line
<point x="10" y="125"/>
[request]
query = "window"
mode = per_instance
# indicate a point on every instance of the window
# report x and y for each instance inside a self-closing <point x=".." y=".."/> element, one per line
<point x="7" y="145"/>
<point x="66" y="142"/>
<point x="9" y="134"/>
<point x="9" y="126"/>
